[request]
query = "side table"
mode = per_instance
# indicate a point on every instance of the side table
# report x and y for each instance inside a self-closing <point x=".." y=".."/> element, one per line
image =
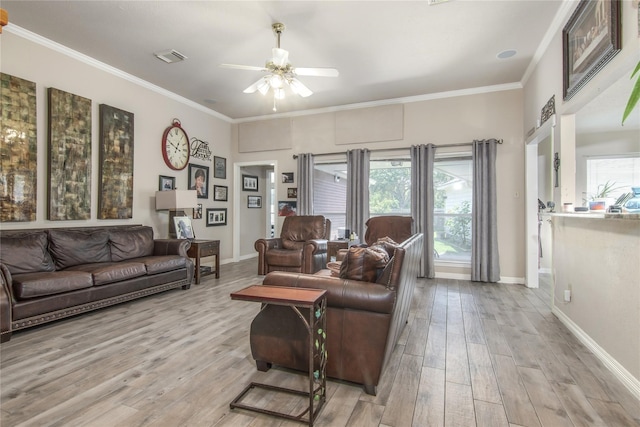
<point x="201" y="249"/>
<point x="315" y="300"/>
<point x="333" y="246"/>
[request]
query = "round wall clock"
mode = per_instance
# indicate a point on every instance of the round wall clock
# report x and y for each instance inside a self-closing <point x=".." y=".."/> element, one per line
<point x="175" y="146"/>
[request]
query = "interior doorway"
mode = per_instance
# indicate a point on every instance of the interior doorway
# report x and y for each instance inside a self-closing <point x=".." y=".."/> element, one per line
<point x="252" y="223"/>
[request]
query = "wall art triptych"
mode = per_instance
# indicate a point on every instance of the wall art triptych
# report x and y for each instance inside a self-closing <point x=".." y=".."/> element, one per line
<point x="18" y="149"/>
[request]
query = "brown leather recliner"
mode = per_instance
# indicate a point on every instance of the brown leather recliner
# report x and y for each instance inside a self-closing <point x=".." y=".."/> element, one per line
<point x="397" y="228"/>
<point x="301" y="247"/>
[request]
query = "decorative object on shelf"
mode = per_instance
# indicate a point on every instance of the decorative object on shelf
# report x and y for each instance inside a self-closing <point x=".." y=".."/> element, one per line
<point x="292" y="193"/>
<point x="183" y="227"/>
<point x="249" y="183"/>
<point x="4" y="19"/>
<point x="175" y="201"/>
<point x="548" y="110"/>
<point x="287" y="208"/>
<point x="219" y="167"/>
<point x="220" y="193"/>
<point x="282" y="73"/>
<point x="216" y="216"/>
<point x="254" y="202"/>
<point x="18" y="150"/>
<point x="556" y="168"/>
<point x="69" y="156"/>
<point x="287" y="177"/>
<point x="166" y="183"/>
<point x="197" y="212"/>
<point x="115" y="193"/>
<point x="199" y="180"/>
<point x="590" y="39"/>
<point x="200" y="149"/>
<point x="175" y="146"/>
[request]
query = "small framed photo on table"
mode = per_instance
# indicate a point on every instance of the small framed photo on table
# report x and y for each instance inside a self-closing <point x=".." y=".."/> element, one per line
<point x="183" y="227"/>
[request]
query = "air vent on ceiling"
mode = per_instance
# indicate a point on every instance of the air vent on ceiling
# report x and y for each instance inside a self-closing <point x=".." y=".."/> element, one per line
<point x="170" y="56"/>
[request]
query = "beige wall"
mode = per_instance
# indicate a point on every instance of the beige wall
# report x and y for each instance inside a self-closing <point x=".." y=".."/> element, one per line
<point x="153" y="112"/>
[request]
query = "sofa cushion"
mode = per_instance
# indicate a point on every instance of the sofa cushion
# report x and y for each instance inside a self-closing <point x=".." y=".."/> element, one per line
<point x="109" y="272"/>
<point x="283" y="257"/>
<point x="160" y="264"/>
<point x="33" y="285"/>
<point x="129" y="243"/>
<point x="298" y="229"/>
<point x="26" y="253"/>
<point x="363" y="263"/>
<point x="74" y="247"/>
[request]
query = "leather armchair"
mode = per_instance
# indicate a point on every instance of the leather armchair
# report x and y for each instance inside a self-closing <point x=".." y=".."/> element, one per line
<point x="397" y="228"/>
<point x="301" y="247"/>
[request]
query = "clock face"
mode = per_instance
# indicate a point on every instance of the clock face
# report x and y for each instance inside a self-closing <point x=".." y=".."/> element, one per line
<point x="175" y="147"/>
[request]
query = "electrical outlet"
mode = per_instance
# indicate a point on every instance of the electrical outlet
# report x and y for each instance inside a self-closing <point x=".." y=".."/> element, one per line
<point x="567" y="295"/>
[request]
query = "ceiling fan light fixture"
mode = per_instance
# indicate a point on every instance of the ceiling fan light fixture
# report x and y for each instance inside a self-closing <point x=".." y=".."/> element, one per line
<point x="280" y="57"/>
<point x="264" y="87"/>
<point x="299" y="89"/>
<point x="276" y="81"/>
<point x="278" y="93"/>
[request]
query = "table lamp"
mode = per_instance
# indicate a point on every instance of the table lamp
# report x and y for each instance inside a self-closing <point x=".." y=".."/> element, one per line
<point x="175" y="201"/>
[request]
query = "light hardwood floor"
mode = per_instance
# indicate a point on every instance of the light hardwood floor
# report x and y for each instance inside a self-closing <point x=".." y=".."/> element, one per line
<point x="471" y="355"/>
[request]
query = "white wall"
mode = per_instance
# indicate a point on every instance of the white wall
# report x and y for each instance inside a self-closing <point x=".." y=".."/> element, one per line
<point x="441" y="121"/>
<point x="153" y="112"/>
<point x="253" y="221"/>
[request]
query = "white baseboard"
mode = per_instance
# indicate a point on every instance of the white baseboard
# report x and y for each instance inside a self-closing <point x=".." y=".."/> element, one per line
<point x="248" y="256"/>
<point x="629" y="381"/>
<point x="466" y="276"/>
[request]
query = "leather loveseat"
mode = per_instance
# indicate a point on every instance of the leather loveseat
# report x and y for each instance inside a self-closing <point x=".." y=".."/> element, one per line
<point x="364" y="319"/>
<point x="49" y="274"/>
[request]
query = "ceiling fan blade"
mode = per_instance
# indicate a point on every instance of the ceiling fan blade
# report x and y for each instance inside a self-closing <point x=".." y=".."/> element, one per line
<point x="280" y="56"/>
<point x="243" y="67"/>
<point x="318" y="72"/>
<point x="259" y="85"/>
<point x="298" y="88"/>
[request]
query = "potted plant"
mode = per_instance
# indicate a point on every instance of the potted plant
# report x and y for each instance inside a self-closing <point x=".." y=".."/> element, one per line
<point x="635" y="94"/>
<point x="603" y="197"/>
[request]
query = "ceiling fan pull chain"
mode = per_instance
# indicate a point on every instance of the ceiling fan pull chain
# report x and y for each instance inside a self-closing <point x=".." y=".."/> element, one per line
<point x="274" y="104"/>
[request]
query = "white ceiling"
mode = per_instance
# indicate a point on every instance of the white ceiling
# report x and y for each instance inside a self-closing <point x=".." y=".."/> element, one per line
<point x="383" y="49"/>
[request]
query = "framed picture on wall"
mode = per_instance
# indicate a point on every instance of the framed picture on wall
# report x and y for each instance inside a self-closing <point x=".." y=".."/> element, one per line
<point x="287" y="208"/>
<point x="254" y="202"/>
<point x="167" y="183"/>
<point x="292" y="193"/>
<point x="216" y="216"/>
<point x="219" y="167"/>
<point x="197" y="212"/>
<point x="220" y="193"/>
<point x="249" y="183"/>
<point x="589" y="40"/>
<point x="199" y="180"/>
<point x="287" y="177"/>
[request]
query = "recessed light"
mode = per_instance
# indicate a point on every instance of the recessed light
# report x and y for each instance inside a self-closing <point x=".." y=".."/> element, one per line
<point x="507" y="53"/>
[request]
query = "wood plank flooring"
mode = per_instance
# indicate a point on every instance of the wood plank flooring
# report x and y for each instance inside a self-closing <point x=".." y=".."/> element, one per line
<point x="471" y="355"/>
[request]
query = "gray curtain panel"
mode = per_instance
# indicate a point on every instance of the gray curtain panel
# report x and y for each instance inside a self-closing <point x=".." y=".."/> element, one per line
<point x="305" y="184"/>
<point x="357" y="190"/>
<point x="485" y="262"/>
<point x="422" y="200"/>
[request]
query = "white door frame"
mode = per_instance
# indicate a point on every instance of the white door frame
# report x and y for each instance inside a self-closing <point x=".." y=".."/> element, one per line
<point x="237" y="191"/>
<point x="531" y="199"/>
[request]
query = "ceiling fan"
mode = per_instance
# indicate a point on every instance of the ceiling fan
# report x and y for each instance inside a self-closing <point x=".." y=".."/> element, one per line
<point x="282" y="73"/>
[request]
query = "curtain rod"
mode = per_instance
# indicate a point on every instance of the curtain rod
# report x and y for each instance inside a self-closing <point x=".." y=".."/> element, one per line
<point x="460" y="144"/>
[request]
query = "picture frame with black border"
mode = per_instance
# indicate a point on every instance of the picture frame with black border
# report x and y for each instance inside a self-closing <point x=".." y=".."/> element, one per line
<point x="249" y="183"/>
<point x="197" y="212"/>
<point x="292" y="193"/>
<point x="195" y="183"/>
<point x="216" y="217"/>
<point x="254" y="202"/>
<point x="220" y="193"/>
<point x="219" y="167"/>
<point x="166" y="183"/>
<point x="287" y="177"/>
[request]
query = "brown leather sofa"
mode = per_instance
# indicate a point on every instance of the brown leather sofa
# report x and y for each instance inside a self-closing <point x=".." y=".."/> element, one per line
<point x="301" y="247"/>
<point x="364" y="320"/>
<point x="49" y="274"/>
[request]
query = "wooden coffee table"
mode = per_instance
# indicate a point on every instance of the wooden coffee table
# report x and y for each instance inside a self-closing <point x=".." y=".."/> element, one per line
<point x="316" y="301"/>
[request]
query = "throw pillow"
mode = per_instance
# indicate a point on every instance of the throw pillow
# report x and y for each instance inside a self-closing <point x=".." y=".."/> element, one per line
<point x="388" y="244"/>
<point x="363" y="263"/>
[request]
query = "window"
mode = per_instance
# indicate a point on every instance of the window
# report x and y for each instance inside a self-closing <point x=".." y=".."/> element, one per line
<point x="453" y="190"/>
<point x="390" y="187"/>
<point x="617" y="174"/>
<point x="330" y="195"/>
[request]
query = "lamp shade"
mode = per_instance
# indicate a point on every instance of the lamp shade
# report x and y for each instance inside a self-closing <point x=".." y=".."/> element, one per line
<point x="176" y="199"/>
